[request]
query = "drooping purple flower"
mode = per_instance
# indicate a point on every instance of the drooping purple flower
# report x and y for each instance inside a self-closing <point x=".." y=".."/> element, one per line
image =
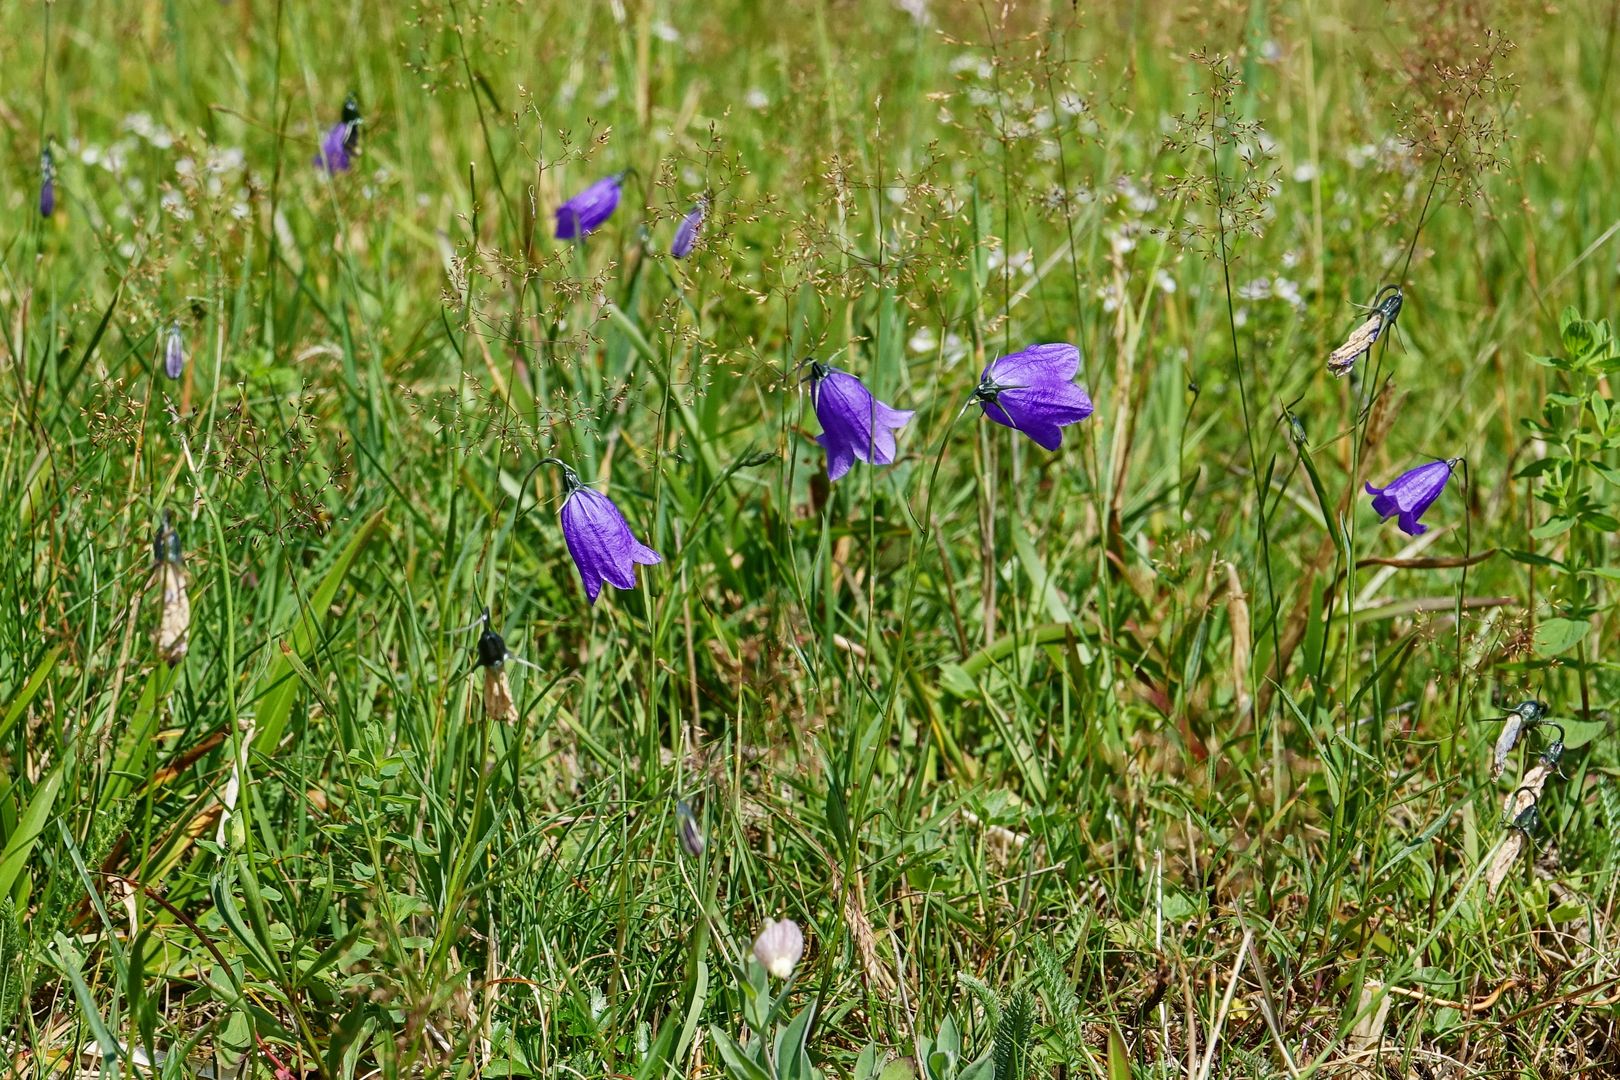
<point x="1034" y="391"/>
<point x="600" y="540"/>
<point x="854" y="424"/>
<point x="1407" y="496"/>
<point x="174" y="352"/>
<point x="586" y="212"/>
<point x="341" y="143"/>
<point x="686" y="235"/>
<point x="47" y="183"/>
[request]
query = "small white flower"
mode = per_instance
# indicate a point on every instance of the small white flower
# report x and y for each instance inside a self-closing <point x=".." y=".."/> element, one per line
<point x="1357" y="156"/>
<point x="1258" y="289"/>
<point x="917" y="9"/>
<point x="663" y="31"/>
<point x="756" y="98"/>
<point x="779" y="947"/>
<point x="1071" y="103"/>
<point x="1305" y="172"/>
<point x="922" y="341"/>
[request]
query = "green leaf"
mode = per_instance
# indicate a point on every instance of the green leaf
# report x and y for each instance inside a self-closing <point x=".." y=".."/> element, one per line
<point x="1555" y="636"/>
<point x="738" y="1066"/>
<point x="1552" y="527"/>
<point x="899" y="1069"/>
<point x="20" y="844"/>
<point x="277" y="702"/>
<point x="41" y="671"/>
<point x="1119" y="1059"/>
<point x="792" y="1051"/>
<point x="1577" y="733"/>
<point x="1530" y="558"/>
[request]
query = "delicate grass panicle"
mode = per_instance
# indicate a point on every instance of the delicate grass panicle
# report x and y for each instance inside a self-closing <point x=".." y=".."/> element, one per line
<point x="1199" y="725"/>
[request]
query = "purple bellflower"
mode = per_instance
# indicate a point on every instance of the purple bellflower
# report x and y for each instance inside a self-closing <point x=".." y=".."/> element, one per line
<point x="341" y="143"/>
<point x="1034" y="391"/>
<point x="1408" y="495"/>
<point x="174" y="352"/>
<point x="854" y="424"/>
<point x="599" y="538"/>
<point x="686" y="234"/>
<point x="47" y="183"/>
<point x="589" y="210"/>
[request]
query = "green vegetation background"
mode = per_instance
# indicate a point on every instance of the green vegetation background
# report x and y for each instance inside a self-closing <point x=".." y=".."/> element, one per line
<point x="1162" y="740"/>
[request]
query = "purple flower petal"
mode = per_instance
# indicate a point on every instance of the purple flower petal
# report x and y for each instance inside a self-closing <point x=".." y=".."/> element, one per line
<point x="1410" y="494"/>
<point x="47" y="183"/>
<point x="854" y="423"/>
<point x="174" y="353"/>
<point x="1034" y="392"/>
<point x="1040" y="411"/>
<point x="1055" y="362"/>
<point x="337" y="146"/>
<point x="587" y="211"/>
<point x="686" y="235"/>
<point x="601" y="543"/>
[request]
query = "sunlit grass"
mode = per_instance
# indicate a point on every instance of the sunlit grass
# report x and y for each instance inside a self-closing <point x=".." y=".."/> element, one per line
<point x="1160" y="745"/>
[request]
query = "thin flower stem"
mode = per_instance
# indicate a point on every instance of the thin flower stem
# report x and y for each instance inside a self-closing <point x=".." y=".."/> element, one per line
<point x="1248" y="426"/>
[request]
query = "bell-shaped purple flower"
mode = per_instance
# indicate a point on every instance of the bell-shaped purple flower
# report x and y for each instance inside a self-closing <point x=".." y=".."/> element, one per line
<point x="174" y="352"/>
<point x="47" y="183"/>
<point x="600" y="540"/>
<point x="341" y="143"/>
<point x="1034" y="391"/>
<point x="586" y="212"/>
<point x="1407" y="496"/>
<point x="854" y="424"/>
<point x="686" y="234"/>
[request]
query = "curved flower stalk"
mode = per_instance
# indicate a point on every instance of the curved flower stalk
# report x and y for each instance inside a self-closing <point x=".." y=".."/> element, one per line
<point x="599" y="538"/>
<point x="1033" y="391"/>
<point x="854" y="424"/>
<point x="1410" y="494"/>
<point x="589" y="210"/>
<point x="686" y="233"/>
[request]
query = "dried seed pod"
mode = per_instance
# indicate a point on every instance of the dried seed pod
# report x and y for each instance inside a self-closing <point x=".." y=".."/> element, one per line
<point x="1386" y="309"/>
<point x="492" y="657"/>
<point x="498" y="696"/>
<point x="1506" y="855"/>
<point x="174" y="616"/>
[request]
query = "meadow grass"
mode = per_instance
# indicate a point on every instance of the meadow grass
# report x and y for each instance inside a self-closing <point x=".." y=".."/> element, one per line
<point x="1155" y="756"/>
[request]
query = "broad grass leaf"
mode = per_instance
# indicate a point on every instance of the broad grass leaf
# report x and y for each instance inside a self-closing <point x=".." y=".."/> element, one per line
<point x="1557" y="636"/>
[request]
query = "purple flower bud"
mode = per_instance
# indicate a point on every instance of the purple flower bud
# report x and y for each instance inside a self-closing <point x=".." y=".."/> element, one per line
<point x="1033" y="391"/>
<point x="1407" y="496"/>
<point x="341" y="143"/>
<point x="854" y="424"/>
<point x="690" y="832"/>
<point x="779" y="947"/>
<point x="686" y="235"/>
<point x="47" y="183"/>
<point x="600" y="540"/>
<point x="174" y="352"/>
<point x="587" y="211"/>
